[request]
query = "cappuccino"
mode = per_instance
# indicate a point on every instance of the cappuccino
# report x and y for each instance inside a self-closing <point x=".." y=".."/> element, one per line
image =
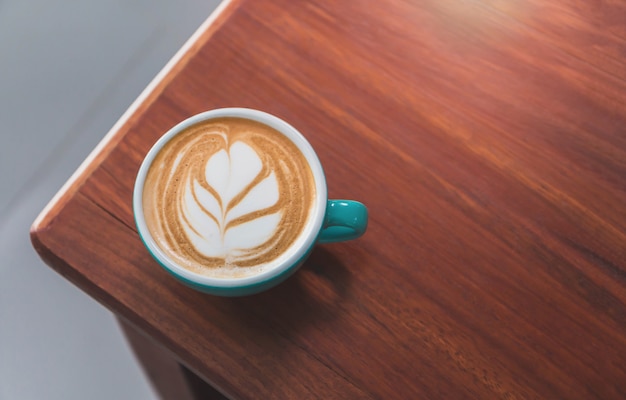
<point x="227" y="197"/>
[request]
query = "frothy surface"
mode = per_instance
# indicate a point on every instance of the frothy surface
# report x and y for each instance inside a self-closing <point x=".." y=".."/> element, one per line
<point x="228" y="196"/>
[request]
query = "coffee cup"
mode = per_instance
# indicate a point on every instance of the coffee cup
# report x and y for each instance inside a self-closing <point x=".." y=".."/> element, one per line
<point x="232" y="201"/>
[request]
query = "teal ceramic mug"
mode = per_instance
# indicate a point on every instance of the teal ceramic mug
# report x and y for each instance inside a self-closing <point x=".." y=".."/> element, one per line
<point x="232" y="201"/>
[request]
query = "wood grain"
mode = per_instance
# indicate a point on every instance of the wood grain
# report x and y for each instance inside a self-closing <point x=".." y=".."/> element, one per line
<point x="487" y="139"/>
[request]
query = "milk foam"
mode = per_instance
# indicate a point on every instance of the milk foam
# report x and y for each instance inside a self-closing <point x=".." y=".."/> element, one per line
<point x="208" y="214"/>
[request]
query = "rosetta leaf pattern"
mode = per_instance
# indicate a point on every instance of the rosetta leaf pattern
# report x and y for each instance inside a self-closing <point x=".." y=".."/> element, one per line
<point x="231" y="209"/>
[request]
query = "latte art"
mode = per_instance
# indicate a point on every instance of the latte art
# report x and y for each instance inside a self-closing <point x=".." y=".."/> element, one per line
<point x="228" y="196"/>
<point x="231" y="207"/>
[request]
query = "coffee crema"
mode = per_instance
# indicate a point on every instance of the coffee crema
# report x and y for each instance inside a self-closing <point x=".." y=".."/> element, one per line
<point x="227" y="196"/>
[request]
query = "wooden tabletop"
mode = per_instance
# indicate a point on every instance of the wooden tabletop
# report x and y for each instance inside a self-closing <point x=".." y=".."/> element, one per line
<point x="488" y="140"/>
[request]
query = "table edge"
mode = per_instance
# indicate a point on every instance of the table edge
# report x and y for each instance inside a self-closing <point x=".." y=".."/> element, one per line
<point x="201" y="35"/>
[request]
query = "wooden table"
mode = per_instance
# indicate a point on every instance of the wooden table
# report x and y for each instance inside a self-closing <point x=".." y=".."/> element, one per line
<point x="487" y="138"/>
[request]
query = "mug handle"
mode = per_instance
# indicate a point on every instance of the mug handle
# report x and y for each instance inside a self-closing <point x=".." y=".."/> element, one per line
<point x="345" y="220"/>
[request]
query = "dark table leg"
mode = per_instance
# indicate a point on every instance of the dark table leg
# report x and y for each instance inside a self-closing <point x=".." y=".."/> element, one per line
<point x="170" y="379"/>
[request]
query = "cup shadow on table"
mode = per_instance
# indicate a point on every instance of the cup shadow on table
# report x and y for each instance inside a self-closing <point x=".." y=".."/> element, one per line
<point x="313" y="295"/>
<point x="283" y="323"/>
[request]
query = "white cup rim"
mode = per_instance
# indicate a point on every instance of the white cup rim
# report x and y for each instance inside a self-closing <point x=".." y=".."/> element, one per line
<point x="306" y="239"/>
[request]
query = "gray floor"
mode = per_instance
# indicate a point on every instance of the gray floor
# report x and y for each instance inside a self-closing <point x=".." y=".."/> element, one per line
<point x="68" y="70"/>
